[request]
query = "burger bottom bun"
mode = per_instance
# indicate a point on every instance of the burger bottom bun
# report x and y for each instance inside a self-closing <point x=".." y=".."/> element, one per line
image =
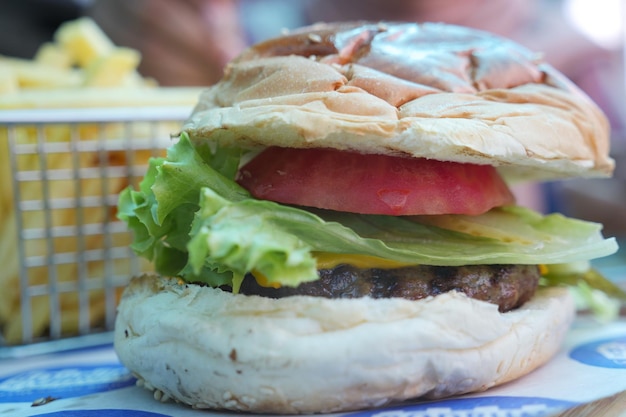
<point x="213" y="349"/>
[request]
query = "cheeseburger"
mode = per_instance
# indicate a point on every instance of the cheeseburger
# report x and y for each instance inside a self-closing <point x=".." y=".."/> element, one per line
<point x="333" y="229"/>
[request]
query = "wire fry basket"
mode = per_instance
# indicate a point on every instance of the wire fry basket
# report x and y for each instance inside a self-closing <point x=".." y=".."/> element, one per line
<point x="65" y="257"/>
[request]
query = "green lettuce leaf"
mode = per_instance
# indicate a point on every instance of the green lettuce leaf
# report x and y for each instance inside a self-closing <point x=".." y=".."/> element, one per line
<point x="193" y="220"/>
<point x="592" y="291"/>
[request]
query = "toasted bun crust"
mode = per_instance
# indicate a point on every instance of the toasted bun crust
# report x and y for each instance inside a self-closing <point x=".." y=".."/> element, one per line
<point x="212" y="349"/>
<point x="425" y="90"/>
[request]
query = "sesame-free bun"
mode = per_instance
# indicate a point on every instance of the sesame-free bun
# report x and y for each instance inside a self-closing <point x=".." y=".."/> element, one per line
<point x="214" y="349"/>
<point x="424" y="90"/>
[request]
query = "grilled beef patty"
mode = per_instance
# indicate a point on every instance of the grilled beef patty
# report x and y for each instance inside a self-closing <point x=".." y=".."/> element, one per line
<point x="508" y="286"/>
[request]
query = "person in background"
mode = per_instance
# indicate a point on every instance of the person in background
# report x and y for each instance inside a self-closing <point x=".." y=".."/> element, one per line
<point x="182" y="42"/>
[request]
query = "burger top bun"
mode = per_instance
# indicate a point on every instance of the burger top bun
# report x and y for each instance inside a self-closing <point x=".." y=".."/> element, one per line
<point x="424" y="90"/>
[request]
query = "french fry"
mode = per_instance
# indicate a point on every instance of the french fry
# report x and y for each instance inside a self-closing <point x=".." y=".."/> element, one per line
<point x="31" y="74"/>
<point x="114" y="69"/>
<point x="84" y="40"/>
<point x="53" y="55"/>
<point x="8" y="79"/>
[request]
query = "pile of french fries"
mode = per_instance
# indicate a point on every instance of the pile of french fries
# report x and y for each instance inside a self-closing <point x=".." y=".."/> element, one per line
<point x="80" y="68"/>
<point x="80" y="55"/>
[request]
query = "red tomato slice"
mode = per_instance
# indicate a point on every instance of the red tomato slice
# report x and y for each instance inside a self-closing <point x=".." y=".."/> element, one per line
<point x="372" y="184"/>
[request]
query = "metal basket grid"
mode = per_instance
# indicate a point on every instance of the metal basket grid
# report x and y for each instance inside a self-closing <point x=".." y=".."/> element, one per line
<point x="66" y="255"/>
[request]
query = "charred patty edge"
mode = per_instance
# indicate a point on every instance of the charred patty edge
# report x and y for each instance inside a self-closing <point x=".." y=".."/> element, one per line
<point x="508" y="286"/>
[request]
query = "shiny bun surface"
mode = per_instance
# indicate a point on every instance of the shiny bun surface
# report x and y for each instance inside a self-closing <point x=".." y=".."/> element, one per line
<point x="419" y="90"/>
